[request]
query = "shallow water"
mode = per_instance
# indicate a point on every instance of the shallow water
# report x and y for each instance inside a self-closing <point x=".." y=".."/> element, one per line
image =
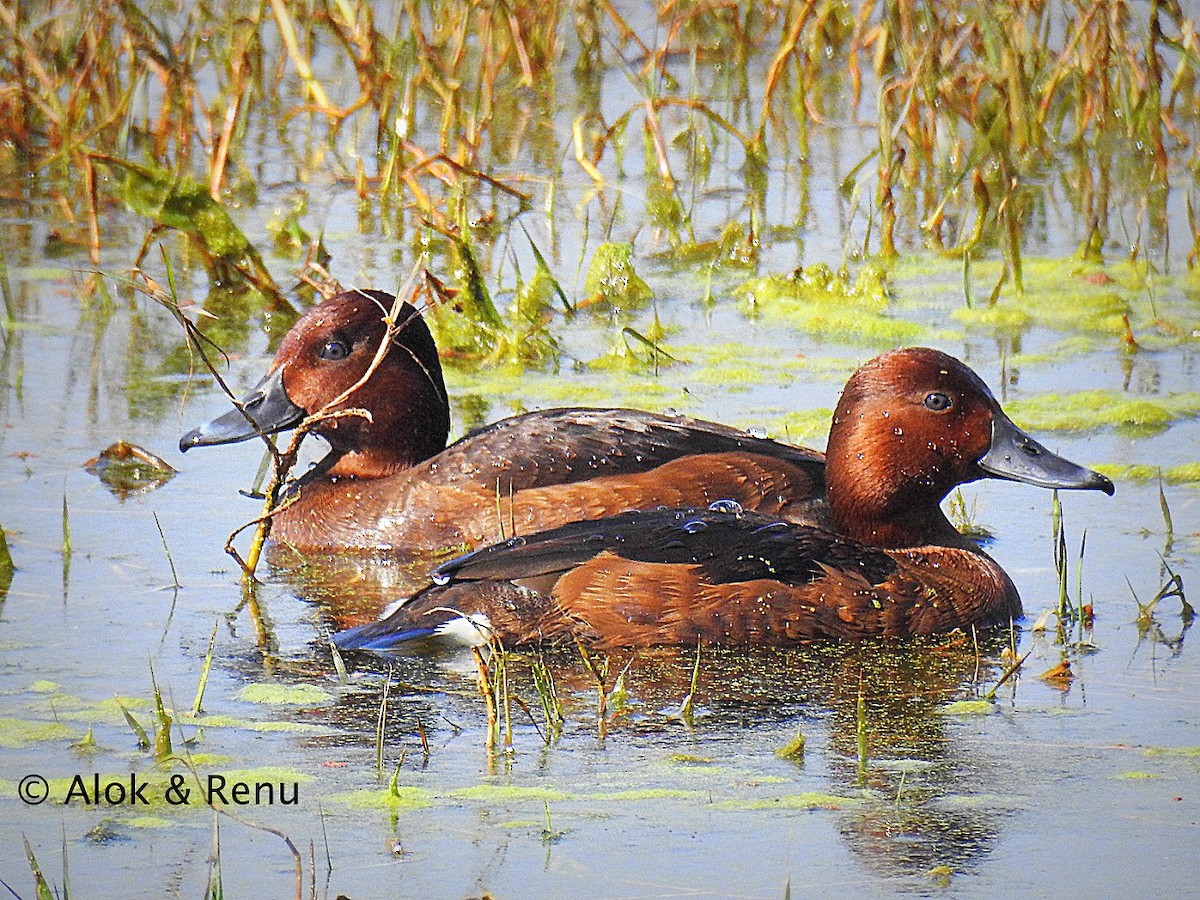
<point x="1080" y="787"/>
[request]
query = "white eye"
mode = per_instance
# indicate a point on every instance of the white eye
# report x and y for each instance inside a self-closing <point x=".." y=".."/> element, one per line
<point x="335" y="350"/>
<point x="938" y="402"/>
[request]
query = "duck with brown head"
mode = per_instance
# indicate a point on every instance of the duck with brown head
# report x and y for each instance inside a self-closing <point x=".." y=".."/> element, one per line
<point x="390" y="481"/>
<point x="911" y="426"/>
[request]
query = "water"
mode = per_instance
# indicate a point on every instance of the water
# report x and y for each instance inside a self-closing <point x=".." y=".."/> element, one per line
<point x="1074" y="787"/>
<point x="1017" y="799"/>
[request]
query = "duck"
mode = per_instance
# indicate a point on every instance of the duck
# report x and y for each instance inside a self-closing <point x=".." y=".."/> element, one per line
<point x="910" y="426"/>
<point x="389" y="482"/>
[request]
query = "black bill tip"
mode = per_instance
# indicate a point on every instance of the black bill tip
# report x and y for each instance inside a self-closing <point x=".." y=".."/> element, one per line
<point x="1016" y="456"/>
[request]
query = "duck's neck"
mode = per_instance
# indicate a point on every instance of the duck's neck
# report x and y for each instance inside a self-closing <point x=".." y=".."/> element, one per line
<point x="891" y="531"/>
<point x="409" y="429"/>
<point x="883" y="508"/>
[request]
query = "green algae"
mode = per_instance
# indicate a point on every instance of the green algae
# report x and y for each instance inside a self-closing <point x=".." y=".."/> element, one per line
<point x="179" y="201"/>
<point x="1185" y="473"/>
<point x="631" y="351"/>
<point x="18" y="733"/>
<point x="1187" y="752"/>
<point x="827" y="304"/>
<point x="1090" y="302"/>
<point x="45" y="687"/>
<point x="1001" y="317"/>
<point x="74" y="709"/>
<point x="529" y="339"/>
<point x="508" y="793"/>
<point x="395" y="800"/>
<point x="733" y="249"/>
<point x="468" y="324"/>
<point x="272" y="694"/>
<point x="1086" y="410"/>
<point x="1128" y="472"/>
<point x="860" y="326"/>
<point x="810" y="800"/>
<point x="1137" y="776"/>
<point x="646" y="794"/>
<point x="269" y="727"/>
<point x="823" y="303"/>
<point x="612" y="280"/>
<point x="804" y="426"/>
<point x="1074" y="311"/>
<point x="147" y="822"/>
<point x="183" y="203"/>
<point x="967" y="708"/>
<point x="689" y="759"/>
<point x="819" y="284"/>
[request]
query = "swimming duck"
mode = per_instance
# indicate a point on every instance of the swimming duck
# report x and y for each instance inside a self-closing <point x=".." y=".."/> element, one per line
<point x="910" y="426"/>
<point x="390" y="481"/>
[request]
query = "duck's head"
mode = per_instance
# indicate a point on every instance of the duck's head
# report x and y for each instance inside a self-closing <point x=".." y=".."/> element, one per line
<point x="319" y="367"/>
<point x="912" y="425"/>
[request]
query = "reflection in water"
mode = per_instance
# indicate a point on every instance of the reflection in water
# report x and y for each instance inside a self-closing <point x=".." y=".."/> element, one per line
<point x="925" y="818"/>
<point x="127" y="469"/>
<point x="6" y="566"/>
<point x="352" y="588"/>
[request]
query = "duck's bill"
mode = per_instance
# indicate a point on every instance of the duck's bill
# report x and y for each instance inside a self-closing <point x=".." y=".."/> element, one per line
<point x="1018" y="457"/>
<point x="267" y="405"/>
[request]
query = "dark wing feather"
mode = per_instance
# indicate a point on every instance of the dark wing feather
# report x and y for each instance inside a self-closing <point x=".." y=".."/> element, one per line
<point x="729" y="547"/>
<point x="562" y="446"/>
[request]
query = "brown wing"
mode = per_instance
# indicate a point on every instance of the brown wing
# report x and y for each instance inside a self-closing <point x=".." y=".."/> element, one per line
<point x="563" y="446"/>
<point x="678" y="576"/>
<point x="616" y="602"/>
<point x="545" y="469"/>
<point x="475" y="513"/>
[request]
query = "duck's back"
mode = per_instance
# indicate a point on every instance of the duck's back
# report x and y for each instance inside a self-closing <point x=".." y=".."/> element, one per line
<point x="563" y="446"/>
<point x="543" y="469"/>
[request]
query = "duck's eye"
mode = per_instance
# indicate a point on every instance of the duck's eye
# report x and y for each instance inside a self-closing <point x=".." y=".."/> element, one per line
<point x="335" y="350"/>
<point x="938" y="402"/>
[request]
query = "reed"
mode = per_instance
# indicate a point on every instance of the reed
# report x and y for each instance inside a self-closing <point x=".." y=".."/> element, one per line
<point x="861" y="742"/>
<point x="547" y="691"/>
<point x="971" y="102"/>
<point x="167" y="550"/>
<point x="41" y="887"/>
<point x="197" y="704"/>
<point x="381" y="724"/>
